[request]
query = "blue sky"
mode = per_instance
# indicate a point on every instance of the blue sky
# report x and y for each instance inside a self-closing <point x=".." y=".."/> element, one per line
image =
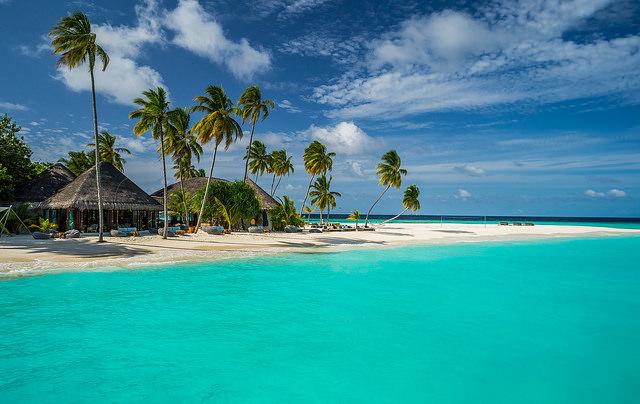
<point x="524" y="107"/>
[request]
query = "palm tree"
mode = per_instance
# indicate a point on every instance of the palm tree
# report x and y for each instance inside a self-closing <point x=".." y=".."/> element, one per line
<point x="316" y="161"/>
<point x="217" y="124"/>
<point x="390" y="175"/>
<point x="409" y="201"/>
<point x="252" y="107"/>
<point x="309" y="211"/>
<point x="73" y="38"/>
<point x="182" y="145"/>
<point x="259" y="160"/>
<point x="355" y="215"/>
<point x="322" y="197"/>
<point x="153" y="116"/>
<point x="280" y="166"/>
<point x="78" y="162"/>
<point x="108" y="152"/>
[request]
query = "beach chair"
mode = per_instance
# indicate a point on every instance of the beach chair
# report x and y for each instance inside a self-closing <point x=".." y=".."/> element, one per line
<point x="517" y="224"/>
<point x="504" y="223"/>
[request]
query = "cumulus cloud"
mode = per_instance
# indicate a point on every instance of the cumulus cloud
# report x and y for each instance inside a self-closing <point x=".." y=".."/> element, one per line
<point x="345" y="137"/>
<point x="506" y="53"/>
<point x="613" y="193"/>
<point x="199" y="33"/>
<point x="355" y="168"/>
<point x="470" y="170"/>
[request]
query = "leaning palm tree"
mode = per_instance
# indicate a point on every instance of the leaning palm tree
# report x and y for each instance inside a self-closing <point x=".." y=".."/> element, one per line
<point x="409" y="201"/>
<point x="280" y="166"/>
<point x="183" y="146"/>
<point x="316" y="161"/>
<point x="108" y="151"/>
<point x="355" y="215"/>
<point x="73" y="38"/>
<point x="252" y="107"/>
<point x="153" y="116"/>
<point x="390" y="175"/>
<point x="259" y="160"/>
<point x="322" y="196"/>
<point x="309" y="211"/>
<point x="217" y="124"/>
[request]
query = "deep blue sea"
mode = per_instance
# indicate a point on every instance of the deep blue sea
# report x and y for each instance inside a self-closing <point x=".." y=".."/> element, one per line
<point x="544" y="321"/>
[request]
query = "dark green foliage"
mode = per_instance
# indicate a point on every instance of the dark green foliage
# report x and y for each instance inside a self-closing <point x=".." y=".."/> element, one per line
<point x="285" y="214"/>
<point x="21" y="213"/>
<point x="238" y="198"/>
<point x="15" y="159"/>
<point x="79" y="161"/>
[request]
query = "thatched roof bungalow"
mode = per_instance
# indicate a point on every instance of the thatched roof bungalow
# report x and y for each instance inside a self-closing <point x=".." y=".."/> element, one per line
<point x="45" y="184"/>
<point x="120" y="197"/>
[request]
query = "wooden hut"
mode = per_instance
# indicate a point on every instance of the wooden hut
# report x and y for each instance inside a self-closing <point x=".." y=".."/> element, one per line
<point x="44" y="185"/>
<point x="75" y="206"/>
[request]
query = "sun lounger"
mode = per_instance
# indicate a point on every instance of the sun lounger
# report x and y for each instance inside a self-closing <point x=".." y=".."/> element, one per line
<point x="528" y="224"/>
<point x="504" y="223"/>
<point x="517" y="224"/>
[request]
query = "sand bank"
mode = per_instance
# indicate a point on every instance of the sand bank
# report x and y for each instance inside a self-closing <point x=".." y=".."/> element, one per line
<point x="19" y="254"/>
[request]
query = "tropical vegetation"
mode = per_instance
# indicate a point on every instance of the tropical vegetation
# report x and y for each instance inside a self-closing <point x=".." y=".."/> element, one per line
<point x="16" y="167"/>
<point x="355" y="215"/>
<point x="322" y="196"/>
<point x="285" y="214"/>
<point x="316" y="162"/>
<point x="108" y="151"/>
<point x="259" y="159"/>
<point x="78" y="161"/>
<point x="152" y="115"/>
<point x="217" y="124"/>
<point x="73" y="39"/>
<point x="409" y="201"/>
<point x="280" y="166"/>
<point x="390" y="175"/>
<point x="252" y="108"/>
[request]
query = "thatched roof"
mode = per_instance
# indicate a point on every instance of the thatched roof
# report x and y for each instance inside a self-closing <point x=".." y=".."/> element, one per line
<point x="192" y="185"/>
<point x="118" y="192"/>
<point x="266" y="200"/>
<point x="45" y="184"/>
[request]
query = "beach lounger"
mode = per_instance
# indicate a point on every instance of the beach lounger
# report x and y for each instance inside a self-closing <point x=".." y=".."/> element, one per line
<point x="517" y="224"/>
<point x="504" y="223"/>
<point x="528" y="224"/>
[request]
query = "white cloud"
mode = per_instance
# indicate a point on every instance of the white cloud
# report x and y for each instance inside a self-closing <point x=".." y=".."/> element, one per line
<point x="11" y="106"/>
<point x="345" y="137"/>
<point x="613" y="193"/>
<point x="199" y="33"/>
<point x="463" y="193"/>
<point x="508" y="52"/>
<point x="355" y="168"/>
<point x="470" y="170"/>
<point x="287" y="106"/>
<point x="617" y="193"/>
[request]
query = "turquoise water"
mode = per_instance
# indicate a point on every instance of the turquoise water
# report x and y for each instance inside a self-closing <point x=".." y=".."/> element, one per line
<point x="553" y="321"/>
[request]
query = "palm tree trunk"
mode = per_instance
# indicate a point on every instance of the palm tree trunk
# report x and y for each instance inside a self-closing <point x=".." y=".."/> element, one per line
<point x="273" y="182"/>
<point x="277" y="185"/>
<point x="164" y="176"/>
<point x="395" y="217"/>
<point x="256" y="181"/>
<point x="320" y="217"/>
<point x="186" y="210"/>
<point x="328" y="211"/>
<point x="374" y="204"/>
<point x="307" y="195"/>
<point x="206" y="190"/>
<point x="98" y="179"/>
<point x="246" y="165"/>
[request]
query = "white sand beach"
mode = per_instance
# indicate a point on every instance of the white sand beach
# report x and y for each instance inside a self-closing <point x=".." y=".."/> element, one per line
<point x="19" y="254"/>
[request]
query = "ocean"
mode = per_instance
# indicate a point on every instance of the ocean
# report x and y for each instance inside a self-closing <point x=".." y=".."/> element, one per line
<point x="539" y="321"/>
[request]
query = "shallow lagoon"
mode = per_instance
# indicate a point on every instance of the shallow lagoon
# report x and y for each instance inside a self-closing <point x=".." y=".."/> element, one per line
<point x="538" y="321"/>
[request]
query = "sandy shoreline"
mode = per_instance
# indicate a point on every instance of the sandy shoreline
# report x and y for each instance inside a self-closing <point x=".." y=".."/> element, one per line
<point x="20" y="254"/>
